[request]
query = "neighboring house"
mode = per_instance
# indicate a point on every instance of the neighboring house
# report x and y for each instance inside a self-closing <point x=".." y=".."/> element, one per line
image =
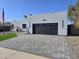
<point x="50" y="23"/>
<point x="21" y="25"/>
<point x="7" y="26"/>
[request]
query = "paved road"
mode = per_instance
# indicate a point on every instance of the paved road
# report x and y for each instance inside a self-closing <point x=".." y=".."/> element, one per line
<point x="44" y="45"/>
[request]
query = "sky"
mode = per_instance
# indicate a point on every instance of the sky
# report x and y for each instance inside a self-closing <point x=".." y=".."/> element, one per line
<point x="15" y="9"/>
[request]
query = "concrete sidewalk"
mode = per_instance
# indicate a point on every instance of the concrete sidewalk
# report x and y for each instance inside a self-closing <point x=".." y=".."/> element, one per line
<point x="10" y="54"/>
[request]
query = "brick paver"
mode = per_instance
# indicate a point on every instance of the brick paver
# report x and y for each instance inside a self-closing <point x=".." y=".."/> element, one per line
<point x="45" y="45"/>
<point x="74" y="43"/>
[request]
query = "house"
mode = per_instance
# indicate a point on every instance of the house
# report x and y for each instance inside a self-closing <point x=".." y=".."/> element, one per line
<point x="50" y="23"/>
<point x="7" y="26"/>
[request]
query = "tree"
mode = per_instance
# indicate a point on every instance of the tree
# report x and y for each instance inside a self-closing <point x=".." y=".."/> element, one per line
<point x="73" y="11"/>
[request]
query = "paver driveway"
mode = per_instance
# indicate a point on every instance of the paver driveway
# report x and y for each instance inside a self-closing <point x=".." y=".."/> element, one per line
<point x="45" y="45"/>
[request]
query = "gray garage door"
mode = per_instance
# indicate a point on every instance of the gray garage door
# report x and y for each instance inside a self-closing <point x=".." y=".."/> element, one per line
<point x="46" y="28"/>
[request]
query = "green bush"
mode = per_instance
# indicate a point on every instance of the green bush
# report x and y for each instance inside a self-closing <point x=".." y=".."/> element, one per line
<point x="7" y="36"/>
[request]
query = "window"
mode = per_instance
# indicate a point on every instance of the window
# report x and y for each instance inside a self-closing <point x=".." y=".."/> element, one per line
<point x="23" y="26"/>
<point x="12" y="26"/>
<point x="62" y="23"/>
<point x="44" y="19"/>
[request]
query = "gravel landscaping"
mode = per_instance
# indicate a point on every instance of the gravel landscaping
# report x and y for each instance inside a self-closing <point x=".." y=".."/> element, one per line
<point x="45" y="45"/>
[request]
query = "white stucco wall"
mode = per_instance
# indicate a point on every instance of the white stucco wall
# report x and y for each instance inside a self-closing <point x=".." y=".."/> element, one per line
<point x="51" y="18"/>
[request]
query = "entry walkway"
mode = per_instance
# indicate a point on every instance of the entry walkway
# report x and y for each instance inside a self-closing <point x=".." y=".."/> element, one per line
<point x="11" y="54"/>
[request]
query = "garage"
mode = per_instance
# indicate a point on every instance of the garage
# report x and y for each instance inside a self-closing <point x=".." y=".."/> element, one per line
<point x="45" y="28"/>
